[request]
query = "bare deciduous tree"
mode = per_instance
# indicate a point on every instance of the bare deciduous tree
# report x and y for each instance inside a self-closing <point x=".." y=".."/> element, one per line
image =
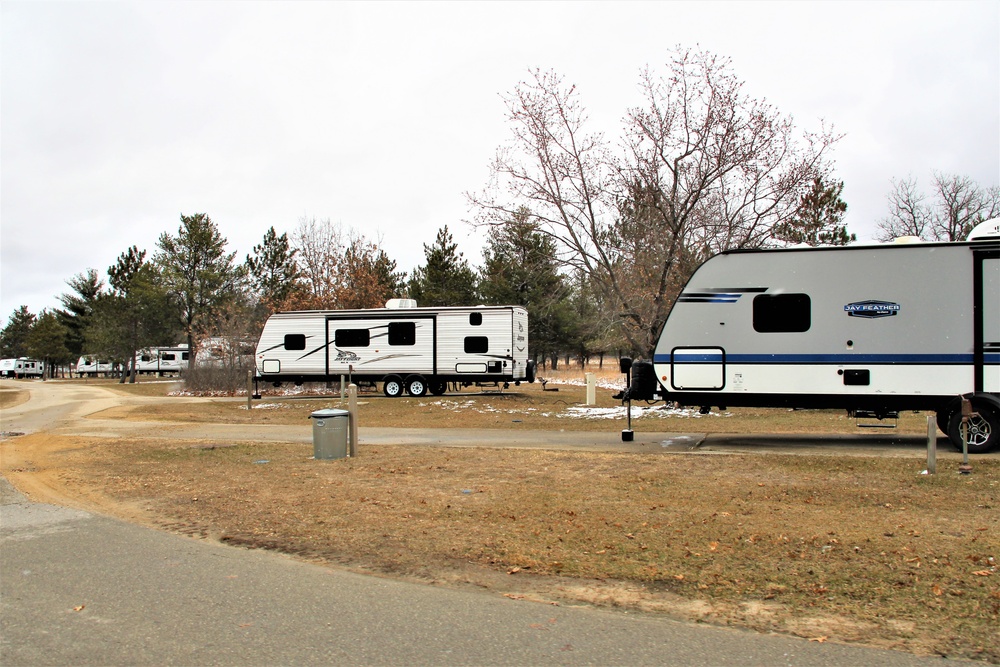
<point x="319" y="247"/>
<point x="340" y="270"/>
<point x="703" y="168"/>
<point x="955" y="205"/>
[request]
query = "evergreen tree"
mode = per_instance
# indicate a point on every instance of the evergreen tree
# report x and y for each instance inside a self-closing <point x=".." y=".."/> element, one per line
<point x="47" y="341"/>
<point x="14" y="337"/>
<point x="197" y="271"/>
<point x="520" y="267"/>
<point x="137" y="313"/>
<point x="78" y="307"/>
<point x="271" y="271"/>
<point x="445" y="279"/>
<point x="817" y="220"/>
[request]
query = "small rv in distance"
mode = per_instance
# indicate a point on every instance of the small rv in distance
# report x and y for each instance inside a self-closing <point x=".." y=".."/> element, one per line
<point x="162" y="360"/>
<point x="90" y="366"/>
<point x="871" y="329"/>
<point x="21" y="368"/>
<point x="404" y="347"/>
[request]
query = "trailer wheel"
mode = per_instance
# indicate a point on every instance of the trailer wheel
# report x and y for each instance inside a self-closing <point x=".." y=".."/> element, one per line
<point x="984" y="429"/>
<point x="416" y="385"/>
<point x="392" y="386"/>
<point x="438" y="387"/>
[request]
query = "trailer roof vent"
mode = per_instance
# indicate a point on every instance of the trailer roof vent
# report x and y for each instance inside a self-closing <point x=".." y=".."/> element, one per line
<point x="401" y="303"/>
<point x="985" y="230"/>
<point x="907" y="239"/>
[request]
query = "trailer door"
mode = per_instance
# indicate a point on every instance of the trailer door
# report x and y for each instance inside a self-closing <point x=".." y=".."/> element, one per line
<point x="986" y="286"/>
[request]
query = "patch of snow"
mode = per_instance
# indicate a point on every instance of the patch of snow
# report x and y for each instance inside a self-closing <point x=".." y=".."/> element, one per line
<point x="638" y="412"/>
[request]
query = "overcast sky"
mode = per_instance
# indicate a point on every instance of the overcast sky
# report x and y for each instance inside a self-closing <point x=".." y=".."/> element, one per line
<point x="116" y="118"/>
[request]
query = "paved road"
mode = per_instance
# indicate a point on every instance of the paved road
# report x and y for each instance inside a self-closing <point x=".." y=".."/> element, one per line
<point x="82" y="589"/>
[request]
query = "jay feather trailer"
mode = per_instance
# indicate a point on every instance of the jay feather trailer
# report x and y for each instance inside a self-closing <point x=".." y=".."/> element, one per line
<point x="401" y="346"/>
<point x="870" y="329"/>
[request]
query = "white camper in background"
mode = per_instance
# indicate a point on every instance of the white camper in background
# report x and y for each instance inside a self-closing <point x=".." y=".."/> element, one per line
<point x="91" y="366"/>
<point x="161" y="360"/>
<point x="22" y="367"/>
<point x="870" y="329"/>
<point x="402" y="346"/>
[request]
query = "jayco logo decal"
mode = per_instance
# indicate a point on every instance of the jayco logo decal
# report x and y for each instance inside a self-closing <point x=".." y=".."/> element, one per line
<point x="347" y="357"/>
<point x="872" y="309"/>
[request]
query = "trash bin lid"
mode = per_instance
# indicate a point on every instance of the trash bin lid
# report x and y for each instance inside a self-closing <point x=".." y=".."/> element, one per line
<point x="329" y="413"/>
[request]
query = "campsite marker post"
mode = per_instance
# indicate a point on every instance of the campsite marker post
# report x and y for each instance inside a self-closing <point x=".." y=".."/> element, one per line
<point x="931" y="445"/>
<point x="625" y="363"/>
<point x="967" y="413"/>
<point x="352" y="409"/>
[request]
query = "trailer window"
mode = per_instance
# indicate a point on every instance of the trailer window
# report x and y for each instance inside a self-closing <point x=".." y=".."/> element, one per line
<point x="352" y="338"/>
<point x="477" y="344"/>
<point x="168" y="356"/>
<point x="184" y="355"/>
<point x="782" y="313"/>
<point x="295" y="341"/>
<point x="475" y="319"/>
<point x="402" y="333"/>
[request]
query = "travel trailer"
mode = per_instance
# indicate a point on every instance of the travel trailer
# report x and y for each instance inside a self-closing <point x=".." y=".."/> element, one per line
<point x="404" y="347"/>
<point x="22" y="367"/>
<point x="870" y="329"/>
<point x="90" y="366"/>
<point x="162" y="360"/>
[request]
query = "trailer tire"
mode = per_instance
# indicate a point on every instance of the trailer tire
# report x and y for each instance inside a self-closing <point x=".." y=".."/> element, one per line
<point x="416" y="386"/>
<point x="392" y="386"/>
<point x="984" y="428"/>
<point x="438" y="387"/>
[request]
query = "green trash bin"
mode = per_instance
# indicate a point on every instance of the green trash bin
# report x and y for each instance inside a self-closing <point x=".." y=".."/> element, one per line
<point x="330" y="428"/>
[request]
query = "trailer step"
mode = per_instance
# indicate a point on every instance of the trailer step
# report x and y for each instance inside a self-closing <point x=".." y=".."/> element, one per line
<point x="876" y="420"/>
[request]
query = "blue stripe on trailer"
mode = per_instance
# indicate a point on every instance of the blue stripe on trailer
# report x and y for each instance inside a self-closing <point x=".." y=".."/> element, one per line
<point x="681" y="357"/>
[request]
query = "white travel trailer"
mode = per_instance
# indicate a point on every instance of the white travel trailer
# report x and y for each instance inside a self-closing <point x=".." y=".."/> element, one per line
<point x="402" y="346"/>
<point x="22" y="367"/>
<point x="870" y="329"/>
<point x="162" y="360"/>
<point x="90" y="366"/>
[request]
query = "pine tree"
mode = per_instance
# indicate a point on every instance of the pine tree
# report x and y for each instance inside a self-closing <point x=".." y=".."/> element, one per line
<point x="445" y="279"/>
<point x="520" y="267"/>
<point x="78" y="307"/>
<point x="47" y="341"/>
<point x="14" y="337"/>
<point x="271" y="271"/>
<point x="196" y="269"/>
<point x="817" y="220"/>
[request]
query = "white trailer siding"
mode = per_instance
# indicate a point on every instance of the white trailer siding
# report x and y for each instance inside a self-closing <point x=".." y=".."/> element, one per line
<point x="22" y="367"/>
<point x="922" y="345"/>
<point x="991" y="324"/>
<point x="867" y="328"/>
<point x="160" y="360"/>
<point x="395" y="343"/>
<point x="92" y="366"/>
<point x="467" y="348"/>
<point x="474" y="344"/>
